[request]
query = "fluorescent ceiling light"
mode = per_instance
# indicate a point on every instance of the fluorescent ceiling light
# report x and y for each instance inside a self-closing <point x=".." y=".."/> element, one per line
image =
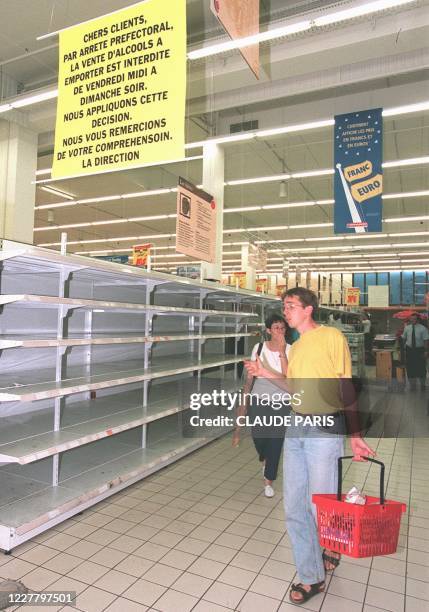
<point x="33" y="98"/>
<point x="310" y="225"/>
<point x="57" y="192"/>
<point x="288" y="205"/>
<point x="43" y="171"/>
<point x="358" y="11"/>
<point x="239" y="43"/>
<point x="406" y="109"/>
<point x="411" y="161"/>
<point x="310" y="173"/>
<point x="403" y="219"/>
<point x="311" y="125"/>
<point x="258" y="179"/>
<point x="406" y="194"/>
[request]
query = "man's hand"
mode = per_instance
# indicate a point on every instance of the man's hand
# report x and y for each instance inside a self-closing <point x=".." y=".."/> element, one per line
<point x="360" y="449"/>
<point x="282" y="345"/>
<point x="255" y="368"/>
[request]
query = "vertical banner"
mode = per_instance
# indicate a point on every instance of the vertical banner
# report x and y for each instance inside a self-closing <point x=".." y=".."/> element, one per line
<point x="239" y="19"/>
<point x="352" y="296"/>
<point x="140" y="255"/>
<point x="121" y="90"/>
<point x="196" y="222"/>
<point x="358" y="185"/>
<point x="257" y="257"/>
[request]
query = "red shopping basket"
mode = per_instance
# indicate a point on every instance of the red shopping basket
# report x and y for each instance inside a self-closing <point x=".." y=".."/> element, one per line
<point x="358" y="531"/>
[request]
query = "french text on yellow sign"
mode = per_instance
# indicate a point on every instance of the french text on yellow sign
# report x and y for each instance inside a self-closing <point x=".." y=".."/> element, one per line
<point x="121" y="90"/>
<point x="364" y="190"/>
<point x="358" y="171"/>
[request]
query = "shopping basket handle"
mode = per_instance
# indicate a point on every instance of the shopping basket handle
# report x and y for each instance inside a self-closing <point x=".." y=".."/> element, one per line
<point x="340" y="476"/>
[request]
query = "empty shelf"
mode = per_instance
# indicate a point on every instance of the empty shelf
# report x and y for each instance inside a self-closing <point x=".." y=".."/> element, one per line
<point x="48" y="301"/>
<point x="168" y="367"/>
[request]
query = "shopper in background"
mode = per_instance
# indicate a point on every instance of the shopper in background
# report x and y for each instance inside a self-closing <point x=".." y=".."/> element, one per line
<point x="310" y="455"/>
<point x="416" y="339"/>
<point x="336" y="321"/>
<point x="268" y="441"/>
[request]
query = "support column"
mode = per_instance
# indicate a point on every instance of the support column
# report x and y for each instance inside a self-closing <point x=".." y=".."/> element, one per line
<point x="247" y="267"/>
<point x="213" y="183"/>
<point x="18" y="162"/>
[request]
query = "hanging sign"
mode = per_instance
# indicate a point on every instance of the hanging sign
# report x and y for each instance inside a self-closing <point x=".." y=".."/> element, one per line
<point x="240" y="19"/>
<point x="140" y="255"/>
<point x="352" y="296"/>
<point x="196" y="222"/>
<point x="239" y="279"/>
<point x="358" y="185"/>
<point x="257" y="257"/>
<point x="121" y="90"/>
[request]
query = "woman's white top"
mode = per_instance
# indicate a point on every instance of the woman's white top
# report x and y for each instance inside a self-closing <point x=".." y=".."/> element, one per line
<point x="271" y="361"/>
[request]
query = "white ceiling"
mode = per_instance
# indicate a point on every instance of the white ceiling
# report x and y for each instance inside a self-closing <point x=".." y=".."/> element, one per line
<point x="380" y="60"/>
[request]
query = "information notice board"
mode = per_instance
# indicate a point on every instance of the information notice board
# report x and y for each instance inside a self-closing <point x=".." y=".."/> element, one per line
<point x="196" y="222"/>
<point x="121" y="90"/>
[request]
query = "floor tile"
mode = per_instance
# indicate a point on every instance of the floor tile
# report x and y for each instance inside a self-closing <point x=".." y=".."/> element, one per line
<point x="87" y="572"/>
<point x="166" y="538"/>
<point x="108" y="557"/>
<point x="134" y="566"/>
<point x="419" y="572"/>
<point x="162" y="574"/>
<point x="115" y="582"/>
<point x="40" y="578"/>
<point x="219" y="553"/>
<point x="332" y="603"/>
<point x="125" y="544"/>
<point x="386" y="600"/>
<point x="271" y="587"/>
<point x="61" y="541"/>
<point x="349" y="589"/>
<point x="94" y="600"/>
<point x="191" y="545"/>
<point x="208" y="606"/>
<point x="264" y="549"/>
<point x="16" y="568"/>
<point x="102" y="536"/>
<point x="207" y="568"/>
<point x="277" y="569"/>
<point x="224" y="595"/>
<point x="144" y="592"/>
<point x="173" y="601"/>
<point x="62" y="563"/>
<point x="84" y="549"/>
<point x="231" y="541"/>
<point x="237" y="577"/>
<point x="392" y="566"/>
<point x="151" y="551"/>
<point x="390" y="582"/>
<point x="125" y="605"/>
<point x="254" y="602"/>
<point x="192" y="584"/>
<point x="418" y="589"/>
<point x="178" y="559"/>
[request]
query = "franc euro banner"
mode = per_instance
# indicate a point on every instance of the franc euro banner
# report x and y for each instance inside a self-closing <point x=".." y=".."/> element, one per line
<point x="358" y="185"/>
<point x="122" y="90"/>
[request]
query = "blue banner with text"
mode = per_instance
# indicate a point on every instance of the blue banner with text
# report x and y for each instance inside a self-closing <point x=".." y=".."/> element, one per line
<point x="358" y="185"/>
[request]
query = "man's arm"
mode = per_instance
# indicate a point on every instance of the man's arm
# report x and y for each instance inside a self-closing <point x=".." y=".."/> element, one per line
<point x="255" y="368"/>
<point x="359" y="447"/>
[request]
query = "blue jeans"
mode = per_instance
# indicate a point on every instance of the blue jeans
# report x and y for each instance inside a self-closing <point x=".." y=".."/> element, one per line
<point x="309" y="466"/>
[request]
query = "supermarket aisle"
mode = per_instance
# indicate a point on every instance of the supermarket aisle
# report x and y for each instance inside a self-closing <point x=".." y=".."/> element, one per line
<point x="201" y="536"/>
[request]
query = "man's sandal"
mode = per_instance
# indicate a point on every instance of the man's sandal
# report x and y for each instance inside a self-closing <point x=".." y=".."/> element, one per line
<point x="328" y="558"/>
<point x="315" y="589"/>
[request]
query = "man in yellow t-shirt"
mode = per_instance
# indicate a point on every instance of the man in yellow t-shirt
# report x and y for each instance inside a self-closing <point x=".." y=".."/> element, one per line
<point x="319" y="364"/>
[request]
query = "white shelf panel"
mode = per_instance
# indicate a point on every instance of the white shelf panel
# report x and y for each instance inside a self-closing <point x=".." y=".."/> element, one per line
<point x="7" y="341"/>
<point x="48" y="301"/>
<point x="93" y="420"/>
<point x="30" y="504"/>
<point x="102" y="379"/>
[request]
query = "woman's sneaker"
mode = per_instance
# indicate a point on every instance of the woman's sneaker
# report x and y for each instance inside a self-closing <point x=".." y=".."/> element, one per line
<point x="269" y="491"/>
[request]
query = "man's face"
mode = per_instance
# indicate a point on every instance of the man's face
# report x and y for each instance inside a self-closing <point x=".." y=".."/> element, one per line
<point x="413" y="320"/>
<point x="294" y="312"/>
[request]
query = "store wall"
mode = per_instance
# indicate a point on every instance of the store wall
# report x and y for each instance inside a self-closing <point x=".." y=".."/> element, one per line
<point x="405" y="288"/>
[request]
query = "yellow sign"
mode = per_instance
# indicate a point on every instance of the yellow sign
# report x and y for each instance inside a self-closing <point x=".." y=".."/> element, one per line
<point x="121" y="90"/>
<point x="238" y="280"/>
<point x="141" y="254"/>
<point x="352" y="296"/>
<point x="364" y="190"/>
<point x="358" y="171"/>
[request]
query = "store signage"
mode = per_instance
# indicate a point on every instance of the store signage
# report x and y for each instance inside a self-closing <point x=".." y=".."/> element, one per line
<point x="257" y="257"/>
<point x="121" y="90"/>
<point x="358" y="185"/>
<point x="140" y="255"/>
<point x="261" y="285"/>
<point x="193" y="272"/>
<point x="196" y="222"/>
<point x="240" y="19"/>
<point x="238" y="280"/>
<point x="352" y="296"/>
<point x="122" y="259"/>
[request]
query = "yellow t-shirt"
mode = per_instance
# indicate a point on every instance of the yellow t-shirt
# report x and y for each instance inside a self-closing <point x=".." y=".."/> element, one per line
<point x="317" y="361"/>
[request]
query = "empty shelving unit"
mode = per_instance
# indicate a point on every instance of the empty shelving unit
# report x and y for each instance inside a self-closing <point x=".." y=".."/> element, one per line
<point x="98" y="362"/>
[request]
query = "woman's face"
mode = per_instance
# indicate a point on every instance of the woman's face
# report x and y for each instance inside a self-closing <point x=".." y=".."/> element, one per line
<point x="277" y="329"/>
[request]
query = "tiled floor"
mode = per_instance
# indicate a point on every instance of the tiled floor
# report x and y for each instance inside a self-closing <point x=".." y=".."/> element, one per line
<point x="200" y="536"/>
